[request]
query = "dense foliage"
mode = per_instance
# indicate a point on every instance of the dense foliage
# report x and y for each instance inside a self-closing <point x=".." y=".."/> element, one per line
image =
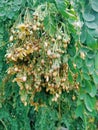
<point x="48" y="64"/>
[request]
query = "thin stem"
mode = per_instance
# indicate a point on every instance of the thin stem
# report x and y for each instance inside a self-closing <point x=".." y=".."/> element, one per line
<point x="3" y="124"/>
<point x="59" y="124"/>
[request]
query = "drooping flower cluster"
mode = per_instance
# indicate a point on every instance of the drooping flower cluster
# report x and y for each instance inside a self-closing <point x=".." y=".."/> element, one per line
<point x="36" y="60"/>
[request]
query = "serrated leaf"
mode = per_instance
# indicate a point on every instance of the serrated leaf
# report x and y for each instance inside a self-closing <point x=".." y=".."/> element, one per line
<point x="89" y="103"/>
<point x="94" y="4"/>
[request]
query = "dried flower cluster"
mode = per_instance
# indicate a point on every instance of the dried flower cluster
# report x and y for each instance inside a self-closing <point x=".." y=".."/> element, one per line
<point x="35" y="59"/>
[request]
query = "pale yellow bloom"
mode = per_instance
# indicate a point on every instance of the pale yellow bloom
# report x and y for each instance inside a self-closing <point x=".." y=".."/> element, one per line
<point x="21" y="26"/>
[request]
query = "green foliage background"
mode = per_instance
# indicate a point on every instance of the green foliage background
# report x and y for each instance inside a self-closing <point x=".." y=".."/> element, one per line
<point x="74" y="114"/>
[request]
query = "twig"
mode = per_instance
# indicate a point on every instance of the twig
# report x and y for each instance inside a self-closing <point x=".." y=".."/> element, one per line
<point x="3" y="124"/>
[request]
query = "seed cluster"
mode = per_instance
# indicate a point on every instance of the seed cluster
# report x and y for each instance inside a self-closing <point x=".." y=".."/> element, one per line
<point x="35" y="59"/>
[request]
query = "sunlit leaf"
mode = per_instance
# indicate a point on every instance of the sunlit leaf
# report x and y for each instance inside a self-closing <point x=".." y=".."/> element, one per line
<point x="50" y="25"/>
<point x="88" y="17"/>
<point x="89" y="102"/>
<point x="95" y="78"/>
<point x="79" y="111"/>
<point x="93" y="91"/>
<point x="91" y="25"/>
<point x="94" y="4"/>
<point x="96" y="61"/>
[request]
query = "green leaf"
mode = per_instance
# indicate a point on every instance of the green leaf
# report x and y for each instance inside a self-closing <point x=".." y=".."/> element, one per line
<point x="79" y="62"/>
<point x="61" y="5"/>
<point x="70" y="77"/>
<point x="10" y="14"/>
<point x="93" y="32"/>
<point x="83" y="34"/>
<point x="50" y="25"/>
<point x="79" y="79"/>
<point x="90" y="54"/>
<point x="93" y="91"/>
<point x="79" y="111"/>
<point x="88" y="17"/>
<point x="86" y="76"/>
<point x="1" y="66"/>
<point x="4" y="115"/>
<point x="91" y="42"/>
<point x="82" y="92"/>
<point x="94" y="4"/>
<point x="71" y="50"/>
<point x="88" y="86"/>
<point x="85" y="69"/>
<point x="17" y="2"/>
<point x="70" y="63"/>
<point x="89" y="62"/>
<point x="89" y="103"/>
<point x="84" y="49"/>
<point x="96" y="61"/>
<point x="91" y="69"/>
<point x="1" y="29"/>
<point x="91" y="25"/>
<point x="2" y="13"/>
<point x="95" y="78"/>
